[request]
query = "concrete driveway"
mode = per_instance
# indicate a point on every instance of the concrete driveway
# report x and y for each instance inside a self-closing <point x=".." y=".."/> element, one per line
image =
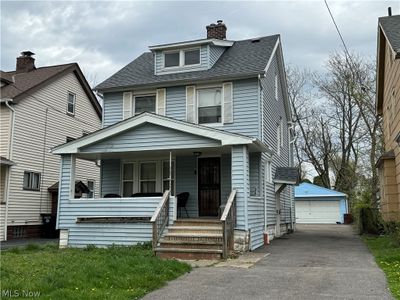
<point x="316" y="262"/>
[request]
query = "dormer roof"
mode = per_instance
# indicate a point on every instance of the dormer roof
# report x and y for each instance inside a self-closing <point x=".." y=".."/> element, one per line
<point x="215" y="42"/>
<point x="244" y="59"/>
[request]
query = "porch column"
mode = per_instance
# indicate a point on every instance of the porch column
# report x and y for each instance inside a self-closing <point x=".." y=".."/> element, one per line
<point x="241" y="182"/>
<point x="66" y="185"/>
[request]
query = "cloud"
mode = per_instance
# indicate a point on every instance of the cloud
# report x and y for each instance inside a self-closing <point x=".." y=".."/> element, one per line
<point x="104" y="36"/>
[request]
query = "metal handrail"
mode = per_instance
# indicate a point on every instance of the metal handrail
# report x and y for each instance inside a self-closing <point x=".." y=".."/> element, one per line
<point x="228" y="220"/>
<point x="160" y="218"/>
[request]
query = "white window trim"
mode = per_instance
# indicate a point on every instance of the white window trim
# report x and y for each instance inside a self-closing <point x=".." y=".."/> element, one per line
<point x="30" y="188"/>
<point x="74" y="103"/>
<point x="181" y="58"/>
<point x="136" y="173"/>
<point x="143" y="95"/>
<point x="202" y="88"/>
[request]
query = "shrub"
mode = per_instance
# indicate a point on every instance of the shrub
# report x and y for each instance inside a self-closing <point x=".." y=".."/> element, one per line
<point x="392" y="228"/>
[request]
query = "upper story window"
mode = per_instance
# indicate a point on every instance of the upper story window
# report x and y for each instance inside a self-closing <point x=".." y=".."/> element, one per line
<point x="31" y="181"/>
<point x="145" y="103"/>
<point x="182" y="58"/>
<point x="192" y="57"/>
<point x="171" y="59"/>
<point x="71" y="103"/>
<point x="209" y="105"/>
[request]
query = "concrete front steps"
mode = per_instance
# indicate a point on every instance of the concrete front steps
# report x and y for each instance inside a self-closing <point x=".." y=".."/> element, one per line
<point x="192" y="239"/>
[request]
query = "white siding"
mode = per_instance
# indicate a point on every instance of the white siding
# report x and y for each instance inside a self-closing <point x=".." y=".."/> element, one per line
<point x="41" y="123"/>
<point x="5" y="125"/>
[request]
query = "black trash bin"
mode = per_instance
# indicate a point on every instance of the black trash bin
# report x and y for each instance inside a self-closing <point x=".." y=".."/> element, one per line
<point x="49" y="226"/>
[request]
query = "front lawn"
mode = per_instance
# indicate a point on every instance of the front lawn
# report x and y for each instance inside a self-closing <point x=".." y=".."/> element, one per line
<point x="387" y="256"/>
<point x="91" y="273"/>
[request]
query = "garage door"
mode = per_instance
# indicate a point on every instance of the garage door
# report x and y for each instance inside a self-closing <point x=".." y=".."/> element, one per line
<point x="322" y="212"/>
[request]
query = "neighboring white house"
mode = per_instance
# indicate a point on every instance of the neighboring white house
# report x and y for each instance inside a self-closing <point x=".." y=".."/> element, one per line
<point x="319" y="205"/>
<point x="40" y="108"/>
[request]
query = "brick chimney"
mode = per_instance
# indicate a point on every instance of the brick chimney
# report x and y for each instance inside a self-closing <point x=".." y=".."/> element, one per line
<point x="25" y="62"/>
<point x="216" y="31"/>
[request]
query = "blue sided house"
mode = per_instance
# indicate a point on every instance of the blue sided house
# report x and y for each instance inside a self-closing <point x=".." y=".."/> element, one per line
<point x="319" y="205"/>
<point x="195" y="151"/>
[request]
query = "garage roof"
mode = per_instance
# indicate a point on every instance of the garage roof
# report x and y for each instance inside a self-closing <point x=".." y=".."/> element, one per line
<point x="308" y="190"/>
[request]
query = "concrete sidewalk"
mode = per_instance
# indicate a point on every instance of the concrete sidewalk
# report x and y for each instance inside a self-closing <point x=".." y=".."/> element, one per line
<point x="316" y="262"/>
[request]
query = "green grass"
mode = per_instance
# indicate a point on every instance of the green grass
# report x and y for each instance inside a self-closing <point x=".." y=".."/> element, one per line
<point x="91" y="273"/>
<point x="387" y="256"/>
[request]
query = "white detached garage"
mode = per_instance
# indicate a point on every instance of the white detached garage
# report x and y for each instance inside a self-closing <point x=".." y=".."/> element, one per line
<point x="318" y="205"/>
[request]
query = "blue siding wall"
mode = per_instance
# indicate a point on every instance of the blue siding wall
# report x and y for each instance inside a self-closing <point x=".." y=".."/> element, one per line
<point x="256" y="221"/>
<point x="65" y="180"/>
<point x="215" y="54"/>
<point x="246" y="107"/>
<point x="112" y="106"/>
<point x="110" y="176"/>
<point x="225" y="177"/>
<point x="150" y="137"/>
<point x="186" y="181"/>
<point x="204" y="62"/>
<point x="240" y="182"/>
<point x="273" y="110"/>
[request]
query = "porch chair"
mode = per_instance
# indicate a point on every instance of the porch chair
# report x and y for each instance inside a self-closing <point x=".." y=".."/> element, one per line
<point x="182" y="200"/>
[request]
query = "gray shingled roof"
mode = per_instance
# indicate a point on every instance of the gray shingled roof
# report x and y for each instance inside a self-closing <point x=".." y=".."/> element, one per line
<point x="245" y="58"/>
<point x="391" y="27"/>
<point x="287" y="175"/>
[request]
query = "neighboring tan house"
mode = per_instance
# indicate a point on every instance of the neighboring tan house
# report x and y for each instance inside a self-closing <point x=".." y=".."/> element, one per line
<point x="388" y="106"/>
<point x="41" y="108"/>
<point x="207" y="120"/>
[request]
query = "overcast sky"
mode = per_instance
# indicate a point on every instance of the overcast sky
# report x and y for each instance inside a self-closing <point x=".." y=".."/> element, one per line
<point x="105" y="36"/>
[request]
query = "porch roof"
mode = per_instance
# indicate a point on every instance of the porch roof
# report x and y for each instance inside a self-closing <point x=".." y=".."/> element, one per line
<point x="222" y="137"/>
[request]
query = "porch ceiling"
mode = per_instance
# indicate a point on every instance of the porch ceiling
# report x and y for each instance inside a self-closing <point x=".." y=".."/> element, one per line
<point x="155" y="153"/>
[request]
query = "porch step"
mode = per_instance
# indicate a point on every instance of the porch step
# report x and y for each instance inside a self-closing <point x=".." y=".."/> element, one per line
<point x="182" y="244"/>
<point x="188" y="253"/>
<point x="197" y="222"/>
<point x="193" y="237"/>
<point x="195" y="229"/>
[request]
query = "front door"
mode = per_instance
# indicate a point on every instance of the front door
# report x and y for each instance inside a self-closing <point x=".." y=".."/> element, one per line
<point x="209" y="186"/>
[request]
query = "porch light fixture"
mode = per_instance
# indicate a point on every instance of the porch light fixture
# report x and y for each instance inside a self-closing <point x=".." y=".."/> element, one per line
<point x="197" y="154"/>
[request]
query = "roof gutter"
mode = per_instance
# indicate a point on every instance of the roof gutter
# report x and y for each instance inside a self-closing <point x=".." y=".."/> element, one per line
<point x="8" y="181"/>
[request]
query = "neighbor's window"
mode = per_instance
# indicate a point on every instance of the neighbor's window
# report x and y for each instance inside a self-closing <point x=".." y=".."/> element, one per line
<point x="31" y="181"/>
<point x="209" y="105"/>
<point x="148" y="177"/>
<point x="145" y="103"/>
<point x="127" y="179"/>
<point x="171" y="59"/>
<point x="90" y="185"/>
<point x="192" y="57"/>
<point x="268" y="171"/>
<point x="166" y="177"/>
<point x="71" y="103"/>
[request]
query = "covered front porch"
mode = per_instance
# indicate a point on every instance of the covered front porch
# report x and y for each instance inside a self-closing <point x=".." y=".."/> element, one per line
<point x="144" y="162"/>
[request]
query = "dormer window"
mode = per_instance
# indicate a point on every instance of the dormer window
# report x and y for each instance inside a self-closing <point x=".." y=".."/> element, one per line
<point x="182" y="58"/>
<point x="192" y="57"/>
<point x="171" y="59"/>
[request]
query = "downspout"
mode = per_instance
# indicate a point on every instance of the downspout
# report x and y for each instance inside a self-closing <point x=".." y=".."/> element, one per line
<point x="291" y="143"/>
<point x="9" y="168"/>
